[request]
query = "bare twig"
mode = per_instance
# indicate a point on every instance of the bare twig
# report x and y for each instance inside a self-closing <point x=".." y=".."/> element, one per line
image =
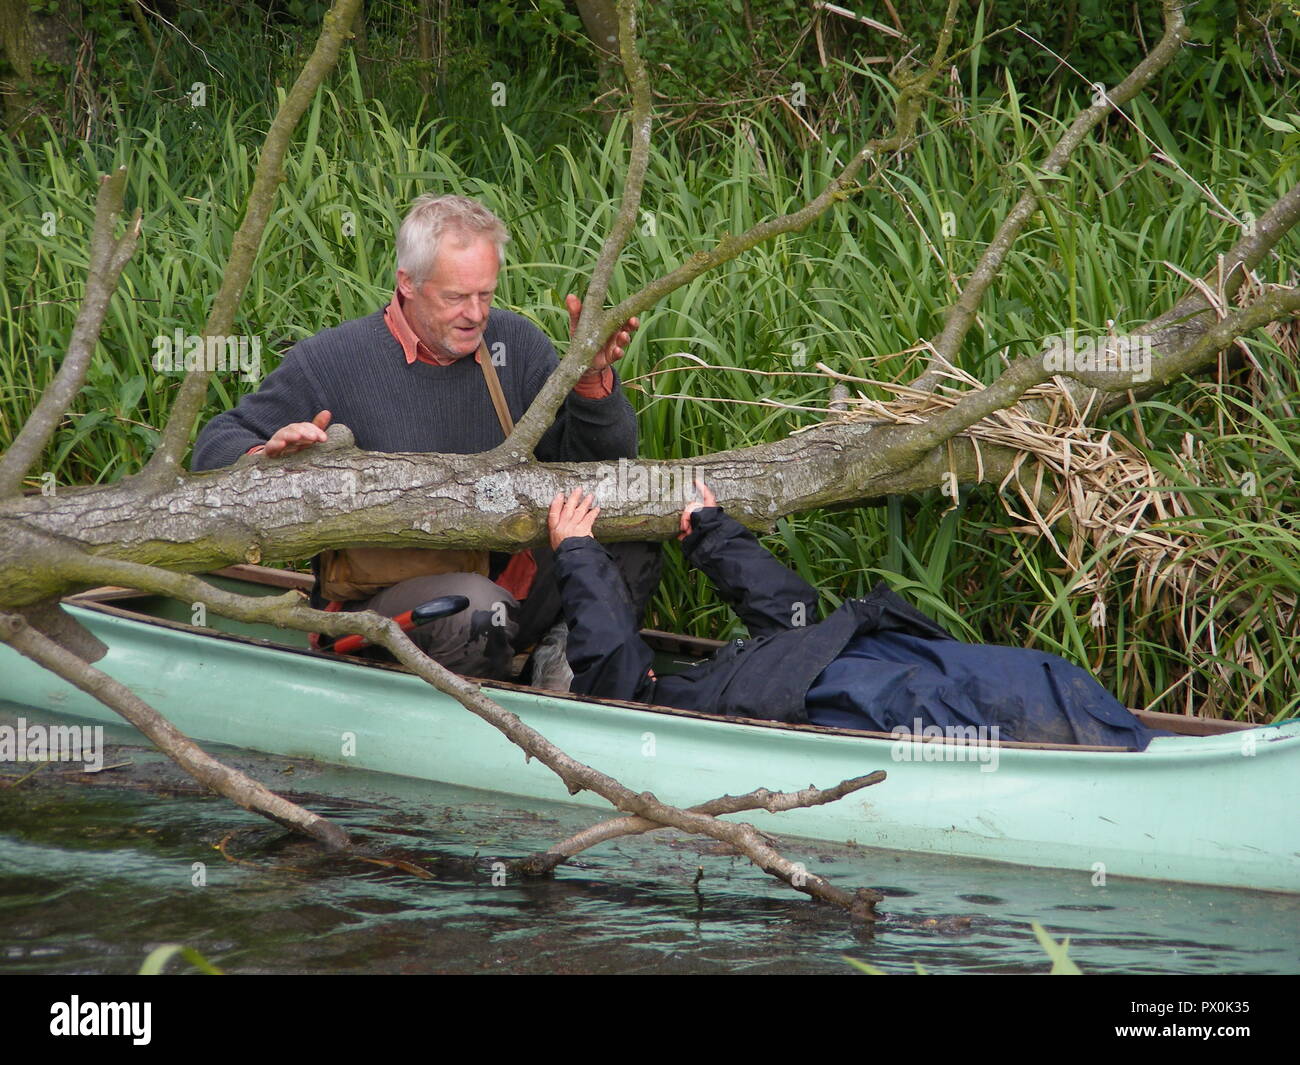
<point x="108" y="255"/>
<point x="961" y="315"/>
<point x="234" y="785"/>
<point x="880" y="27"/>
<point x="546" y="861"/>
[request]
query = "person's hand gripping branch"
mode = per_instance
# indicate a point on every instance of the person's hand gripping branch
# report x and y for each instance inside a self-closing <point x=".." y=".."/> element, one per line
<point x="576" y="514"/>
<point x="707" y="499"/>
<point x="573" y="516"/>
<point x="613" y="349"/>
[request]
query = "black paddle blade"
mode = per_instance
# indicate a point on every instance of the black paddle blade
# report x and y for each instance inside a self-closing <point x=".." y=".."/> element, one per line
<point x="442" y="607"/>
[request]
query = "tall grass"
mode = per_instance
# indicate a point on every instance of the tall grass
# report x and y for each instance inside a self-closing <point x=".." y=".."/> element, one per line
<point x="856" y="290"/>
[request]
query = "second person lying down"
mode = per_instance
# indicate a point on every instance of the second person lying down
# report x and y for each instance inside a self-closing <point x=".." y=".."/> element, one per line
<point x="876" y="663"/>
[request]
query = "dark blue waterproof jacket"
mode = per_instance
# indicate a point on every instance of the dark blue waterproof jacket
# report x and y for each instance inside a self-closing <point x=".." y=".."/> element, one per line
<point x="876" y="663"/>
<point x="765" y="677"/>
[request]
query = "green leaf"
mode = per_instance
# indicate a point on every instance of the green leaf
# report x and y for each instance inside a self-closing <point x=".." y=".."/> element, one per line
<point x="1278" y="124"/>
<point x="128" y="395"/>
<point x="160" y="956"/>
<point x="1058" y="952"/>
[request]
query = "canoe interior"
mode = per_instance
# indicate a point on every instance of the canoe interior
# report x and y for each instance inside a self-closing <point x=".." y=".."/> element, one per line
<point x="672" y="651"/>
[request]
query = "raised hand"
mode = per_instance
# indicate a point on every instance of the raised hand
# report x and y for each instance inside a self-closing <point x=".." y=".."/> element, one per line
<point x="615" y="347"/>
<point x="707" y="499"/>
<point x="571" y="517"/>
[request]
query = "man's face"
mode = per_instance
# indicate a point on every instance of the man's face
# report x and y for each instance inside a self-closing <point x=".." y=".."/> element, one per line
<point x="449" y="311"/>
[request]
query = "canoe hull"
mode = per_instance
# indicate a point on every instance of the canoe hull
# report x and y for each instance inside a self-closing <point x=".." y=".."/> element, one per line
<point x="1210" y="810"/>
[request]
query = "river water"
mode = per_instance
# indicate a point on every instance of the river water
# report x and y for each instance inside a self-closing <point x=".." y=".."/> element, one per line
<point x="95" y="871"/>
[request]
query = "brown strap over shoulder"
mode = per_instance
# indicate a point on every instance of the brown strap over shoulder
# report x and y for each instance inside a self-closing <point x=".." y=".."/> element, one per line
<point x="494" y="389"/>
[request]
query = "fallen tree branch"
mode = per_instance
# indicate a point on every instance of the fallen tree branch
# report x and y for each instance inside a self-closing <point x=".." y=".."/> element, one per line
<point x="545" y="862"/>
<point x="337" y="496"/>
<point x="290" y="611"/>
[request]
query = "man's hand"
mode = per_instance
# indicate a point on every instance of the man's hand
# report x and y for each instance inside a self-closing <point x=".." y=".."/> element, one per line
<point x="297" y="436"/>
<point x="571" y="517"/>
<point x="615" y="347"/>
<point x="707" y="499"/>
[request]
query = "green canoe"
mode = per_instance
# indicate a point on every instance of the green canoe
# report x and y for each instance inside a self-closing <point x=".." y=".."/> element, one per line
<point x="1206" y="807"/>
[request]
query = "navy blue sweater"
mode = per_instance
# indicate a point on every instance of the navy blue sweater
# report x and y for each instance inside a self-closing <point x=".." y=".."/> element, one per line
<point x="359" y="373"/>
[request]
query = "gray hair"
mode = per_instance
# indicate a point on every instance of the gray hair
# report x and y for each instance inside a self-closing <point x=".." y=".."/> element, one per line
<point x="433" y="217"/>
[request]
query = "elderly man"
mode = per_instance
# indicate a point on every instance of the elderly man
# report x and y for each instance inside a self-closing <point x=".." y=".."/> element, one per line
<point x="439" y="370"/>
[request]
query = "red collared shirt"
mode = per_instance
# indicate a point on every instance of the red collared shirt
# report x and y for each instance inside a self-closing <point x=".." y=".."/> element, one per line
<point x="415" y="348"/>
